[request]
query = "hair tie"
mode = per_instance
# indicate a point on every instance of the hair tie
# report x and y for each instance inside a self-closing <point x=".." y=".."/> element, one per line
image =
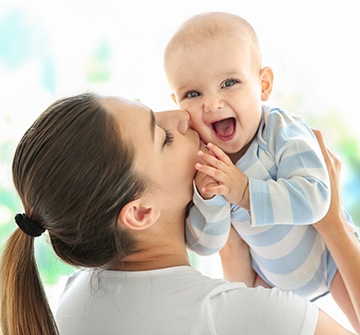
<point x="28" y="226"/>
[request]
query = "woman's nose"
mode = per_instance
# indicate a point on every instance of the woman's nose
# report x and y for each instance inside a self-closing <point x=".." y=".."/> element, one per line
<point x="175" y="119"/>
<point x="183" y="121"/>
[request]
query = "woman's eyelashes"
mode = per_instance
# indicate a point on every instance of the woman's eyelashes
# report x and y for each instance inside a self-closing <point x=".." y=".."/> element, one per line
<point x="169" y="137"/>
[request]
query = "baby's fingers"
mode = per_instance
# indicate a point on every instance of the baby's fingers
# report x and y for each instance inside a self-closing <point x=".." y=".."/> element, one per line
<point x="215" y="157"/>
<point x="214" y="173"/>
<point x="221" y="155"/>
<point x="210" y="160"/>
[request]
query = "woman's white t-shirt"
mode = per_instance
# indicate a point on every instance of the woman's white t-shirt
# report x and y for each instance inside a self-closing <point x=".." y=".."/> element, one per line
<point x="177" y="300"/>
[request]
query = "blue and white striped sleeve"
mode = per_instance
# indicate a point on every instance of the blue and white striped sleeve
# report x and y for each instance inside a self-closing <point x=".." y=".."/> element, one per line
<point x="208" y="224"/>
<point x="300" y="193"/>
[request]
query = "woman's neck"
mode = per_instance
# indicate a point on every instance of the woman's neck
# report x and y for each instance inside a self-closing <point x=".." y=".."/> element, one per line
<point x="142" y="261"/>
<point x="129" y="265"/>
<point x="159" y="246"/>
<point x="157" y="256"/>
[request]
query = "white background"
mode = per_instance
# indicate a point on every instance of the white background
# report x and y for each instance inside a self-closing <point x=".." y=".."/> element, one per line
<point x="311" y="45"/>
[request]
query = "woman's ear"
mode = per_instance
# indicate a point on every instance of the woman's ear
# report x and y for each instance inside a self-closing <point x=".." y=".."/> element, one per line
<point x="137" y="216"/>
<point x="267" y="79"/>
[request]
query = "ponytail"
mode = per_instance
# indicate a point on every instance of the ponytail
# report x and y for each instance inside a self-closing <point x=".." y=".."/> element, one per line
<point x="23" y="304"/>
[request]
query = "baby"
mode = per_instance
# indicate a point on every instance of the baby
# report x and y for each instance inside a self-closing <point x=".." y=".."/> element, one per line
<point x="264" y="172"/>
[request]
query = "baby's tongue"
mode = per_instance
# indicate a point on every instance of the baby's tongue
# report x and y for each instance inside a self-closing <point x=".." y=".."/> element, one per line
<point x="224" y="128"/>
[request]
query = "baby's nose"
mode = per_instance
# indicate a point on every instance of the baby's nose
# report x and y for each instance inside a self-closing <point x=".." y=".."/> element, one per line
<point x="212" y="103"/>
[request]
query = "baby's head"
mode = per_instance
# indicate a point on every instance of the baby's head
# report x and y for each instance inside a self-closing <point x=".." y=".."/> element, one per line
<point x="213" y="26"/>
<point x="213" y="66"/>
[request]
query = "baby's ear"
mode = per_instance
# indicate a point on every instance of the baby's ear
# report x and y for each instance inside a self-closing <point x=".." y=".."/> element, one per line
<point x="172" y="95"/>
<point x="267" y="79"/>
<point x="138" y="216"/>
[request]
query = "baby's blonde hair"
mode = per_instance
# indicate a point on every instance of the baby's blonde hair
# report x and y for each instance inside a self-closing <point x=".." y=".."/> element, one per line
<point x="212" y="25"/>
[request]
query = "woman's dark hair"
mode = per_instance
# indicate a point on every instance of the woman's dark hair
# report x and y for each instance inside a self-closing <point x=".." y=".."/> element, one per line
<point x="73" y="173"/>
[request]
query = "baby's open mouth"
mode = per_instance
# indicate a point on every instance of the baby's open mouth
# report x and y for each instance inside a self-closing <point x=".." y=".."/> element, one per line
<point x="224" y="128"/>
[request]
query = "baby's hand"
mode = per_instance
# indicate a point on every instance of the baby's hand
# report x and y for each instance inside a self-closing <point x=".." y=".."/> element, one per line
<point x="204" y="182"/>
<point x="227" y="179"/>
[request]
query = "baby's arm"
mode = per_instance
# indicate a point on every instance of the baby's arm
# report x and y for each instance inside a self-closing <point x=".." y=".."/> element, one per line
<point x="208" y="224"/>
<point x="297" y="189"/>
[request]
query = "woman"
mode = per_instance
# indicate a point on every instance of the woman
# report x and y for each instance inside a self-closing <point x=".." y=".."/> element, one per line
<point x="110" y="184"/>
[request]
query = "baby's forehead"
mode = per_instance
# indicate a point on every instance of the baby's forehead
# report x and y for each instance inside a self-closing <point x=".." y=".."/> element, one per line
<point x="212" y="27"/>
<point x="216" y="27"/>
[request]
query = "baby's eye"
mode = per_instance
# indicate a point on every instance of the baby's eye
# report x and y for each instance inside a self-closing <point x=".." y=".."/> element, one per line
<point x="169" y="137"/>
<point x="229" y="82"/>
<point x="192" y="94"/>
